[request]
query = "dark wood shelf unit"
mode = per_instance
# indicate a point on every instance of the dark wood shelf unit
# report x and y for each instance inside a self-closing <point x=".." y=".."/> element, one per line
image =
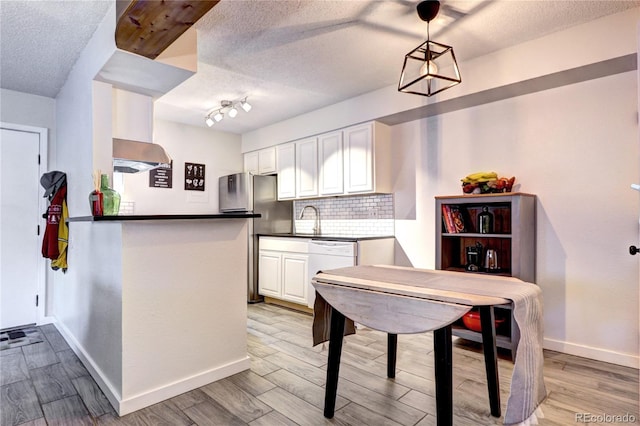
<point x="513" y="238"/>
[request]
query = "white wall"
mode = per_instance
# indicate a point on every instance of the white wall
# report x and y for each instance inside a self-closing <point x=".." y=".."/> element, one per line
<point x="219" y="151"/>
<point x="578" y="152"/>
<point x="86" y="300"/>
<point x="30" y="110"/>
<point x="89" y="313"/>
<point x="74" y="109"/>
<point x="184" y="314"/>
<point x="575" y="147"/>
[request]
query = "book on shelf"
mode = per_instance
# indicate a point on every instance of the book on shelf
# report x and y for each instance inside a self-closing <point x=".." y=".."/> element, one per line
<point x="453" y="219"/>
<point x="446" y="219"/>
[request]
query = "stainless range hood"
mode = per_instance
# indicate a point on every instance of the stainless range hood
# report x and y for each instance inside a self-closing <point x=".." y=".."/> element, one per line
<point x="133" y="156"/>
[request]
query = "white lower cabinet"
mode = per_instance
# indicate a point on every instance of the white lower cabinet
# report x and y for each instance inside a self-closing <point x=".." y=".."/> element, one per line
<point x="294" y="277"/>
<point x="283" y="268"/>
<point x="270" y="273"/>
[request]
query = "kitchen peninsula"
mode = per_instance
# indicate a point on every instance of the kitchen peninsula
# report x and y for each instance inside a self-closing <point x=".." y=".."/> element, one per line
<point x="162" y="309"/>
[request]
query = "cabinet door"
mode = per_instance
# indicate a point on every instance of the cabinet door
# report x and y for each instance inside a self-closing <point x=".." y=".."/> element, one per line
<point x="358" y="161"/>
<point x="331" y="163"/>
<point x="251" y="162"/>
<point x="267" y="161"/>
<point x="269" y="273"/>
<point x="307" y="168"/>
<point x="294" y="277"/>
<point x="286" y="161"/>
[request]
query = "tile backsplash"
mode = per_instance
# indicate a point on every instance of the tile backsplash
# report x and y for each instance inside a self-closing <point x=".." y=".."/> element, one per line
<point x="358" y="215"/>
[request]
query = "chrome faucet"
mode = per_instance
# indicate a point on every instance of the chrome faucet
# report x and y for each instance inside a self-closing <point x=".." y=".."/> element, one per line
<point x="316" y="228"/>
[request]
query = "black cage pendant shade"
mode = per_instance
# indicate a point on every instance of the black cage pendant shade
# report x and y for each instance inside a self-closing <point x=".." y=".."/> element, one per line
<point x="431" y="67"/>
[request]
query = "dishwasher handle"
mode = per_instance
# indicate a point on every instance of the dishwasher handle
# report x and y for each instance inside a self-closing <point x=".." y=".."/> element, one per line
<point x="336" y="248"/>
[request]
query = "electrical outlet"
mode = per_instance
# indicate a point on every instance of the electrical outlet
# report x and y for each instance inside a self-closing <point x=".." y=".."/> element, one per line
<point x="372" y="213"/>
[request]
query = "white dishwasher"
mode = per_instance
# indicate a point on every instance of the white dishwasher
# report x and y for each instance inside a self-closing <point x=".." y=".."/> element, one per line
<point x="325" y="255"/>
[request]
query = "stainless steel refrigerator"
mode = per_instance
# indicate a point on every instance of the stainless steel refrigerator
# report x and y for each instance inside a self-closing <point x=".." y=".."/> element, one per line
<point x="244" y="192"/>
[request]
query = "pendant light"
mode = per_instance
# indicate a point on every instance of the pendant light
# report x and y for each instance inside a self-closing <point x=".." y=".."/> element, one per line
<point x="431" y="67"/>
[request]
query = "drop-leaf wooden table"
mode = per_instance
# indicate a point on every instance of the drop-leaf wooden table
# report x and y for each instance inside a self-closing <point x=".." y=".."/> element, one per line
<point x="399" y="300"/>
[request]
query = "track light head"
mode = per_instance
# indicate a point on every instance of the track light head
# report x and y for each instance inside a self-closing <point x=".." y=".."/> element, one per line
<point x="209" y="121"/>
<point x="232" y="112"/>
<point x="246" y="106"/>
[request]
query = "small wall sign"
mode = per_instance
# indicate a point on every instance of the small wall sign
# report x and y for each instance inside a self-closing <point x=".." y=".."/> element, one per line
<point x="161" y="177"/>
<point x="193" y="177"/>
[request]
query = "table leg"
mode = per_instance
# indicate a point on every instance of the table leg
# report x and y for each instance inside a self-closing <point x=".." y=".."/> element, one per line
<point x="333" y="364"/>
<point x="490" y="357"/>
<point x="443" y="353"/>
<point x="392" y="348"/>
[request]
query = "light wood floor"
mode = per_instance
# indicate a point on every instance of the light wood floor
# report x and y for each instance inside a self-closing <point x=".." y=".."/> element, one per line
<point x="45" y="384"/>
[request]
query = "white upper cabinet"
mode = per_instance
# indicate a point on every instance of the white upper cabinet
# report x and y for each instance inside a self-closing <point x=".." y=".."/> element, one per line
<point x="367" y="159"/>
<point x="331" y="164"/>
<point x="354" y="160"/>
<point x="251" y="162"/>
<point x="286" y="161"/>
<point x="267" y="161"/>
<point x="262" y="162"/>
<point x="307" y="168"/>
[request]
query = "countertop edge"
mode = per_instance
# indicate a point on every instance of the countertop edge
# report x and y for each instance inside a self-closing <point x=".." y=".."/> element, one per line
<point x="130" y="218"/>
<point x="327" y="237"/>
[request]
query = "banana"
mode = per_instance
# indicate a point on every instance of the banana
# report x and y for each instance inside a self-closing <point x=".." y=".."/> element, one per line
<point x="480" y="177"/>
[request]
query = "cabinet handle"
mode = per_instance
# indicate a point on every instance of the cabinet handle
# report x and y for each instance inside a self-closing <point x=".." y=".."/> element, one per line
<point x="633" y="250"/>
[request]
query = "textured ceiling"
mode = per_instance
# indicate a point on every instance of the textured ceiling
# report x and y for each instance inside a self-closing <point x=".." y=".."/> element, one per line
<point x="41" y="40"/>
<point x="288" y="57"/>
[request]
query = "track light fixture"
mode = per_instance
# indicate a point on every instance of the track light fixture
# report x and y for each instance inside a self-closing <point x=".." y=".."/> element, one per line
<point x="431" y="67"/>
<point x="226" y="107"/>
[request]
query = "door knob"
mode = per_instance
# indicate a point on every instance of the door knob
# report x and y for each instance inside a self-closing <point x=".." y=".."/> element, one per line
<point x="633" y="250"/>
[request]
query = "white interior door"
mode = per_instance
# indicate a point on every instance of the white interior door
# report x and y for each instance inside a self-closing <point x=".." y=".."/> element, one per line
<point x="21" y="269"/>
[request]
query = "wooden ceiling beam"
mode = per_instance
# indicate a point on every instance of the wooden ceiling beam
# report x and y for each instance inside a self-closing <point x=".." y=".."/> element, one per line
<point x="148" y="27"/>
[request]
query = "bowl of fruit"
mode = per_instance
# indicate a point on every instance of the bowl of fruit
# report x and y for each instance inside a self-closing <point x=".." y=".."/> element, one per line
<point x="486" y="183"/>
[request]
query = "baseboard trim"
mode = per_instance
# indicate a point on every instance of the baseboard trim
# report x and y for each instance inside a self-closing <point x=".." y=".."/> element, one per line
<point x="137" y="402"/>
<point x="287" y="304"/>
<point x="47" y="320"/>
<point x="626" y="360"/>
<point x="154" y="396"/>
<point x="105" y="385"/>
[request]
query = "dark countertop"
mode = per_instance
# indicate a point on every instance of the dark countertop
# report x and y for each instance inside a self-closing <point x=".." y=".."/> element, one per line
<point x="326" y="237"/>
<point x="161" y="217"/>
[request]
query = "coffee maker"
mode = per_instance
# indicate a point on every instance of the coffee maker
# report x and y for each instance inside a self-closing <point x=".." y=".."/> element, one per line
<point x="474" y="257"/>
